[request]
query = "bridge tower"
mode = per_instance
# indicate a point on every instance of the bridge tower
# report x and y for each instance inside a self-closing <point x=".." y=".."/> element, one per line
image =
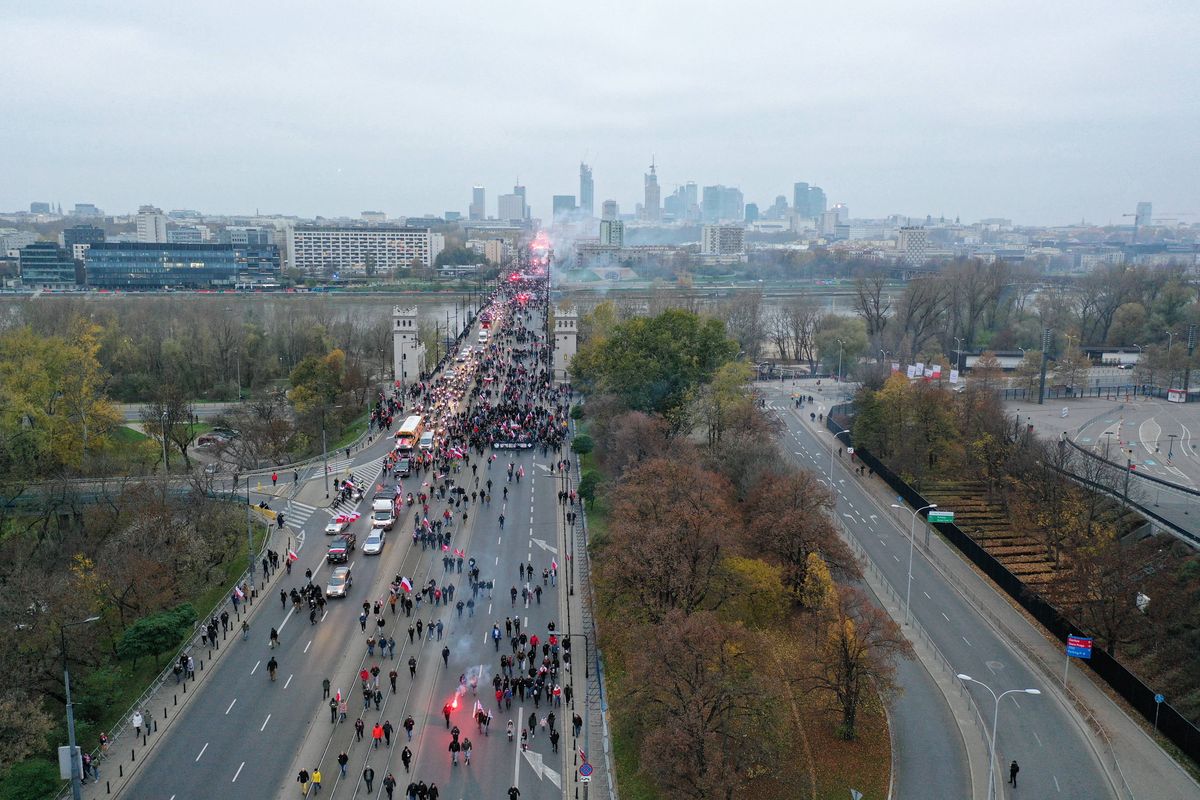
<point x="566" y="334"/>
<point x="408" y="354"/>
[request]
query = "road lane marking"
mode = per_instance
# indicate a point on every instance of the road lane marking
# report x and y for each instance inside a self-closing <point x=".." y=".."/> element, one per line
<point x="945" y="617"/>
<point x="517" y="755"/>
<point x="1056" y="786"/>
<point x="927" y="597"/>
<point x="264" y="725"/>
<point x="239" y="772"/>
<point x="896" y="557"/>
<point x="289" y="680"/>
<point x="308" y="645"/>
<point x="256" y="666"/>
<point x="968" y="643"/>
<point x="1015" y="703"/>
<point x="230" y="706"/>
<point x="202" y="749"/>
<point x="1039" y="739"/>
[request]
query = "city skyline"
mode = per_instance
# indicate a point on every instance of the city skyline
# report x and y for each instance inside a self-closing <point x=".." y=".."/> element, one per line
<point x="892" y="110"/>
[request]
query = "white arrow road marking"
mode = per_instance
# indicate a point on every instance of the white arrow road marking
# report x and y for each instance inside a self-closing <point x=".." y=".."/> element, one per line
<point x="542" y="544"/>
<point x="540" y="769"/>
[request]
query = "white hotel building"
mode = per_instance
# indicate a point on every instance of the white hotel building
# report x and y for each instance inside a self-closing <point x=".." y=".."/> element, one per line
<point x="316" y="248"/>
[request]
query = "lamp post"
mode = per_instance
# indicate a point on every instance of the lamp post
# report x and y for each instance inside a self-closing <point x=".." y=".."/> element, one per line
<point x="958" y="354"/>
<point x="841" y="344"/>
<point x="164" y="443"/>
<point x="1170" y="339"/>
<point x="76" y="778"/>
<point x="912" y="535"/>
<point x="995" y="720"/>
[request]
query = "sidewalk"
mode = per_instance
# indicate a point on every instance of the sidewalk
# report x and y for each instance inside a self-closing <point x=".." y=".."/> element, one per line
<point x="1137" y="766"/>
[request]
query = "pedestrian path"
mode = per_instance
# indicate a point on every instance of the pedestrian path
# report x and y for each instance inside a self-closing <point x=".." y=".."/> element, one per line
<point x="297" y="513"/>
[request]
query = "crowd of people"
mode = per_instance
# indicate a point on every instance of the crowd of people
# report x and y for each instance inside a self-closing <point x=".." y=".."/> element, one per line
<point x="500" y="398"/>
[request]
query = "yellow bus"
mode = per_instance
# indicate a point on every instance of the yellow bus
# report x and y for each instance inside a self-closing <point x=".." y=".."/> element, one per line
<point x="410" y="431"/>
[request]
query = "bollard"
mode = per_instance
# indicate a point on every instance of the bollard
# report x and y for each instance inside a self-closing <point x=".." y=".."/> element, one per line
<point x="185" y="687"/>
<point x="144" y="735"/>
<point x="202" y="663"/>
<point x="156" y="721"/>
<point x="107" y="788"/>
<point x="132" y="755"/>
<point x="120" y="771"/>
<point x="175" y="697"/>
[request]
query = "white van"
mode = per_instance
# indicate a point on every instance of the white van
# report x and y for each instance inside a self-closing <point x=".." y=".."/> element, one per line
<point x="427" y="440"/>
<point x="383" y="514"/>
<point x="483" y="337"/>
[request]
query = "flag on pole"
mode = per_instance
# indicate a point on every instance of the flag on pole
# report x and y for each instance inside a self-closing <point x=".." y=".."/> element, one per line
<point x="292" y="555"/>
<point x="406" y="585"/>
<point x="238" y="593"/>
<point x="445" y="547"/>
<point x="582" y="755"/>
<point x="554" y="565"/>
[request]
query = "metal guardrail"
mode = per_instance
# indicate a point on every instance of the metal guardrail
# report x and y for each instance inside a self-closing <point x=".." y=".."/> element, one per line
<point x="1135" y="474"/>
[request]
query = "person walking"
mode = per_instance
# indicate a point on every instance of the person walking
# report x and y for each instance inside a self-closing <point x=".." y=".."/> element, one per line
<point x="369" y="777"/>
<point x="389" y="784"/>
<point x="412" y="666"/>
<point x="325" y="688"/>
<point x="454" y="748"/>
<point x="376" y="736"/>
<point x="387" y="733"/>
<point x="466" y="751"/>
<point x="302" y="778"/>
<point x="136" y="720"/>
<point x="359" y="726"/>
<point x="343" y="760"/>
<point x="1013" y="769"/>
<point x="406" y="757"/>
<point x="408" y="727"/>
<point x="333" y="711"/>
<point x="392" y="675"/>
<point x="446" y="655"/>
<point x="316" y="780"/>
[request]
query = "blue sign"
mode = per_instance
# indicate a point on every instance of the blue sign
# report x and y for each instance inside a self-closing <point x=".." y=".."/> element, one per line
<point x="585" y="769"/>
<point x="1158" y="698"/>
<point x="1079" y="646"/>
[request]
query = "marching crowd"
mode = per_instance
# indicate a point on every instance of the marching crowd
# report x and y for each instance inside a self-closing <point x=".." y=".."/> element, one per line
<point x="505" y="398"/>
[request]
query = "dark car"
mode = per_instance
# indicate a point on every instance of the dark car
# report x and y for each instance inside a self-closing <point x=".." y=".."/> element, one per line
<point x="403" y="467"/>
<point x="339" y="549"/>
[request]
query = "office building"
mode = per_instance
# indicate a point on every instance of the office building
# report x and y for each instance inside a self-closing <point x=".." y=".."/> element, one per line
<point x="86" y="210"/>
<point x="586" y="190"/>
<point x="1144" y="215"/>
<point x="751" y="212"/>
<point x="45" y="265"/>
<point x="478" y="207"/>
<point x="496" y="251"/>
<point x="520" y="191"/>
<point x="40" y="208"/>
<point x="335" y="250"/>
<point x="612" y="232"/>
<point x="377" y="217"/>
<point x="151" y="225"/>
<point x="722" y="244"/>
<point x="78" y="238"/>
<point x="610" y="210"/>
<point x="244" y="235"/>
<point x="563" y="205"/>
<point x="843" y="213"/>
<point x="808" y="202"/>
<point x="12" y="240"/>
<point x="652" y="207"/>
<point x="510" y="207"/>
<point x="139" y="266"/>
<point x="722" y="204"/>
<point x="186" y="234"/>
<point x="913" y="245"/>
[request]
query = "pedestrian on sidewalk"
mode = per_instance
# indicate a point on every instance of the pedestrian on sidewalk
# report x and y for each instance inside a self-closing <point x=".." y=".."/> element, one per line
<point x="1013" y="769"/>
<point x="325" y="688"/>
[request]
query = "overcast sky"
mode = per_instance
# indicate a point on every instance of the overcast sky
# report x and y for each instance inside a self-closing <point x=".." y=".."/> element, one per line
<point x="1045" y="112"/>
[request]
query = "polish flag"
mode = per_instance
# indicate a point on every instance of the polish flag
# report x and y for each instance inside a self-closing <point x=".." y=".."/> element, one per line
<point x="238" y="593"/>
<point x="406" y="585"/>
<point x="554" y="565"/>
<point x="445" y="547"/>
<point x="291" y="554"/>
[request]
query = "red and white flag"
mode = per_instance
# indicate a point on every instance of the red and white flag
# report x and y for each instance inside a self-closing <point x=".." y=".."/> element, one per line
<point x="582" y="755"/>
<point x="554" y="565"/>
<point x="292" y="555"/>
<point x="238" y="593"/>
<point x="406" y="585"/>
<point x="445" y="547"/>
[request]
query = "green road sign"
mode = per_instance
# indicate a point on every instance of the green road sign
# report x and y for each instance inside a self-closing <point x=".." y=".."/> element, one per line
<point x="941" y="516"/>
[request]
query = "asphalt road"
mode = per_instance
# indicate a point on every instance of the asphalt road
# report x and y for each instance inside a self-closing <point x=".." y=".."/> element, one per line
<point x="247" y="737"/>
<point x="1037" y="732"/>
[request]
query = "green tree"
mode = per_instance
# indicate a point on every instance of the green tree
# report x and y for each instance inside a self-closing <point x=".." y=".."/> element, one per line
<point x="582" y="444"/>
<point x="35" y="779"/>
<point x="853" y="334"/>
<point x="588" y="485"/>
<point x="318" y="380"/>
<point x="155" y="634"/>
<point x="24" y="725"/>
<point x="654" y="364"/>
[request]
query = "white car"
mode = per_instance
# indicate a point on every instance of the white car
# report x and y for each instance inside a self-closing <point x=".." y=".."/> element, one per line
<point x="339" y="582"/>
<point x="335" y="527"/>
<point x="374" y="543"/>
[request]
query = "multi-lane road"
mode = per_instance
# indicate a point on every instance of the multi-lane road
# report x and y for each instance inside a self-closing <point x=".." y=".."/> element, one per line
<point x="1051" y="746"/>
<point x="246" y="736"/>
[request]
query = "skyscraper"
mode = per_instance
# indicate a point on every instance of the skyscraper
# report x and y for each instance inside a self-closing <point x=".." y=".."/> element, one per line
<point x="722" y="203"/>
<point x="586" y="190"/>
<point x="751" y="212"/>
<point x="652" y="208"/>
<point x="151" y="225"/>
<point x="563" y="205"/>
<point x="510" y="207"/>
<point x="520" y="190"/>
<point x="610" y="210"/>
<point x="478" y="207"/>
<point x="1145" y="211"/>
<point x="800" y="199"/>
<point x="612" y="232"/>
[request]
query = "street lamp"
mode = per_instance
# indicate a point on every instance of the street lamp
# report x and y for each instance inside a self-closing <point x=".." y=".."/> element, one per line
<point x="76" y="778"/>
<point x="164" y="443"/>
<point x="841" y="344"/>
<point x="958" y="353"/>
<point x="995" y="719"/>
<point x="912" y="534"/>
<point x="1170" y="339"/>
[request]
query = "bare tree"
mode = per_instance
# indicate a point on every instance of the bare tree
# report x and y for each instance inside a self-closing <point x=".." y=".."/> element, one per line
<point x="870" y="302"/>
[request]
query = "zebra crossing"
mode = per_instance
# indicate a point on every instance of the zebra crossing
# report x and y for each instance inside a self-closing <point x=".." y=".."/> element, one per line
<point x="295" y="514"/>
